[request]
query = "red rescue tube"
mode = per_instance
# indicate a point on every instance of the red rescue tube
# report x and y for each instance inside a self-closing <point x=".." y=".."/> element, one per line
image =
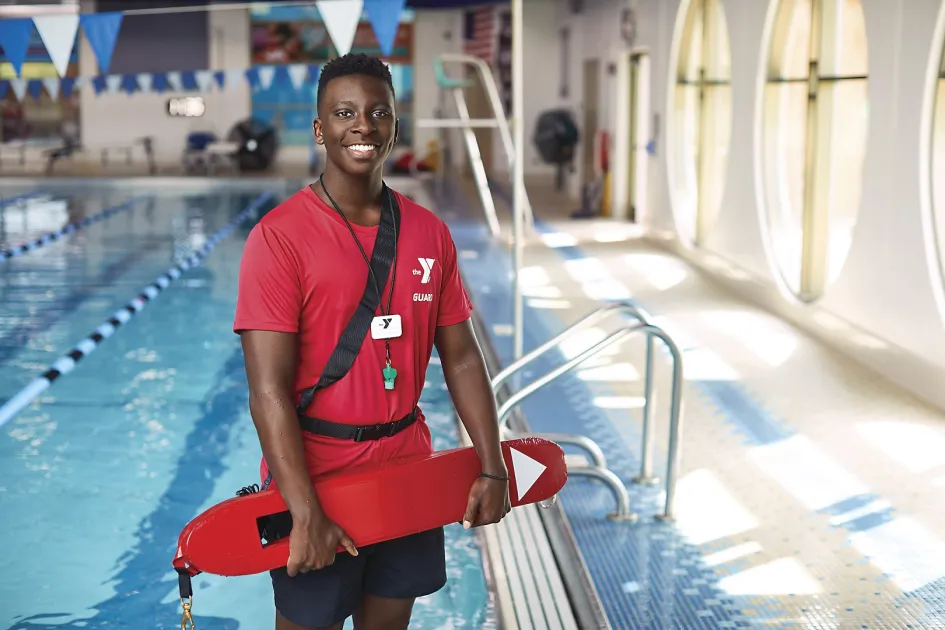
<point x="372" y="504"/>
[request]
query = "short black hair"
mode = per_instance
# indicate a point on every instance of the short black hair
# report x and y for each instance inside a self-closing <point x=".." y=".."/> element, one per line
<point x="351" y="64"/>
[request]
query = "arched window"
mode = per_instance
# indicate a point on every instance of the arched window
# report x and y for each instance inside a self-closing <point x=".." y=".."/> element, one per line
<point x="815" y="127"/>
<point x="702" y="117"/>
<point x="938" y="159"/>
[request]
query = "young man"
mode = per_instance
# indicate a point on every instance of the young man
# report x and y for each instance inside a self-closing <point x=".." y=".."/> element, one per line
<point x="305" y="267"/>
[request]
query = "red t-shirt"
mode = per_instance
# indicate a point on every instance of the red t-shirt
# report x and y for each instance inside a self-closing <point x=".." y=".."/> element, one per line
<point x="301" y="272"/>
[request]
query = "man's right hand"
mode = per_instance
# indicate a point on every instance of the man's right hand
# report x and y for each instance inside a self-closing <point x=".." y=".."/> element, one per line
<point x="313" y="543"/>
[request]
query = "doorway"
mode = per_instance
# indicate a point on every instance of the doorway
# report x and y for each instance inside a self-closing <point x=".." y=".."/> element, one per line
<point x="632" y="136"/>
<point x="590" y="100"/>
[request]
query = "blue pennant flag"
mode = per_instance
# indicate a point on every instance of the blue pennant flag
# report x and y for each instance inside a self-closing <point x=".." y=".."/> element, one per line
<point x="99" y="84"/>
<point x="252" y="75"/>
<point x="101" y="29"/>
<point x="384" y="16"/>
<point x="4" y="88"/>
<point x="129" y="83"/>
<point x="15" y="40"/>
<point x="159" y="82"/>
<point x="35" y="88"/>
<point x="220" y="76"/>
<point x="66" y="85"/>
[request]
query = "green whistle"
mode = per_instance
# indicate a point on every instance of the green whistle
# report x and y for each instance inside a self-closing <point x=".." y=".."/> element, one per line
<point x="389" y="375"/>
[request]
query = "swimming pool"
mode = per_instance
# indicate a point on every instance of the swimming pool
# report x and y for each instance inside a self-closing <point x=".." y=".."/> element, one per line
<point x="101" y="472"/>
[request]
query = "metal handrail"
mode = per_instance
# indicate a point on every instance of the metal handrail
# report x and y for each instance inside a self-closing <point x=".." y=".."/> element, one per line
<point x="646" y="457"/>
<point x="672" y="464"/>
<point x="498" y="110"/>
<point x="623" y="511"/>
<point x="515" y="399"/>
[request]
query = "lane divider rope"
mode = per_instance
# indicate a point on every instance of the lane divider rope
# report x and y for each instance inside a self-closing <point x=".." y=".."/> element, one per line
<point x="68" y="361"/>
<point x="69" y="228"/>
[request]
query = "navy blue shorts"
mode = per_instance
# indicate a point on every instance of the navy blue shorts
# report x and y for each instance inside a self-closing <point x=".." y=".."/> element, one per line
<point x="409" y="567"/>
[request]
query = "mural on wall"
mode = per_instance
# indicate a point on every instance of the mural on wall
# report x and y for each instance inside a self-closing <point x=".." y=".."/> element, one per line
<point x="290" y="35"/>
<point x="298" y="41"/>
<point x="49" y="114"/>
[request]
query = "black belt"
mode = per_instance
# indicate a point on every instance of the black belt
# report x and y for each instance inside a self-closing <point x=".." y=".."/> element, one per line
<point x="357" y="433"/>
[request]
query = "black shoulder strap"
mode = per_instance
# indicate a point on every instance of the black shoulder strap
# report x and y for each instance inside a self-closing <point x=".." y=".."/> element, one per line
<point x="342" y="357"/>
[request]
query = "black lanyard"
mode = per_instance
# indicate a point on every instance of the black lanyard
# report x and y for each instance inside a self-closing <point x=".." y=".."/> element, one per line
<point x="386" y="206"/>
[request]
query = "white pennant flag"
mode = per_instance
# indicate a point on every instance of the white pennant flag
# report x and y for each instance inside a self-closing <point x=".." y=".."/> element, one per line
<point x="52" y="86"/>
<point x="19" y="88"/>
<point x="58" y="35"/>
<point x="234" y="78"/>
<point x="341" y="19"/>
<point x="297" y="73"/>
<point x="173" y="80"/>
<point x="145" y="81"/>
<point x="113" y="83"/>
<point x="204" y="79"/>
<point x="266" y="75"/>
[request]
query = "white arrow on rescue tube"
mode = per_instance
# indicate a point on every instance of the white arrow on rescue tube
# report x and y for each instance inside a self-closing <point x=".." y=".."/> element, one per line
<point x="526" y="471"/>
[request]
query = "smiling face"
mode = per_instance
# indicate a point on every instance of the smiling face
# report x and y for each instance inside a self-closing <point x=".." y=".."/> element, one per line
<point x="356" y="123"/>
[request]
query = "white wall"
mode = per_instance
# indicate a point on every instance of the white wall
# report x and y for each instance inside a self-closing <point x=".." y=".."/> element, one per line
<point x="117" y="119"/>
<point x="882" y="309"/>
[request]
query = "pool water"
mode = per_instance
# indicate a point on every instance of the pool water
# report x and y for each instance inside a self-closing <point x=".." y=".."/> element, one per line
<point x="99" y="475"/>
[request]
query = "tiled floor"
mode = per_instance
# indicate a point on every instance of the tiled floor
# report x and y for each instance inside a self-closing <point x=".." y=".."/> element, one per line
<point x="811" y="490"/>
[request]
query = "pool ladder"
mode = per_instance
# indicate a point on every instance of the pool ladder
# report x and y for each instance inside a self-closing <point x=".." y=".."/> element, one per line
<point x="596" y="468"/>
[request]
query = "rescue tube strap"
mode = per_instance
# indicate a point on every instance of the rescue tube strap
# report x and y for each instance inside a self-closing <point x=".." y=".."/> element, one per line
<point x="357" y="433"/>
<point x="382" y="258"/>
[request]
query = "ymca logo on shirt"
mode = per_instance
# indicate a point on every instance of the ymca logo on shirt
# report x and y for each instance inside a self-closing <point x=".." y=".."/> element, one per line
<point x="425" y="271"/>
<point x="426" y="268"/>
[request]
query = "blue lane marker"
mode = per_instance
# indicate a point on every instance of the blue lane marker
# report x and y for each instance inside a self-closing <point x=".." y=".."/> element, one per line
<point x="69" y="228"/>
<point x="17" y="338"/>
<point x="67" y="362"/>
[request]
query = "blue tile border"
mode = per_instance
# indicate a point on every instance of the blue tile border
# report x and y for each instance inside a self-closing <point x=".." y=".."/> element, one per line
<point x="647" y="575"/>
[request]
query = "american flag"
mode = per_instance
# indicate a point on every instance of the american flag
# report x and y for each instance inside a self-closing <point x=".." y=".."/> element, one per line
<point x="479" y="33"/>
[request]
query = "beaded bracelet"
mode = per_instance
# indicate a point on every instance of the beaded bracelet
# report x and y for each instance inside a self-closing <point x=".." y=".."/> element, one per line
<point x="496" y="477"/>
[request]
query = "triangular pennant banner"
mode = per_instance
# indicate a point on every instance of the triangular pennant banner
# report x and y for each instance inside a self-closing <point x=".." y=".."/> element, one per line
<point x="341" y="19"/>
<point x="384" y="16"/>
<point x="297" y="73"/>
<point x="15" y="41"/>
<point x="98" y="84"/>
<point x="4" y="88"/>
<point x="159" y="82"/>
<point x="204" y="80"/>
<point x="129" y="83"/>
<point x="52" y="86"/>
<point x="66" y="86"/>
<point x="252" y="75"/>
<point x="220" y="77"/>
<point x="58" y="35"/>
<point x="19" y="88"/>
<point x="101" y="29"/>
<point x="174" y="82"/>
<point x="266" y="75"/>
<point x="113" y="83"/>
<point x="36" y="88"/>
<point x="145" y="79"/>
<point x="234" y="78"/>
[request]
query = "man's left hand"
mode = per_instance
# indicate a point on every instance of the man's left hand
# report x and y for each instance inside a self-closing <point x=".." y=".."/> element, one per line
<point x="488" y="502"/>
